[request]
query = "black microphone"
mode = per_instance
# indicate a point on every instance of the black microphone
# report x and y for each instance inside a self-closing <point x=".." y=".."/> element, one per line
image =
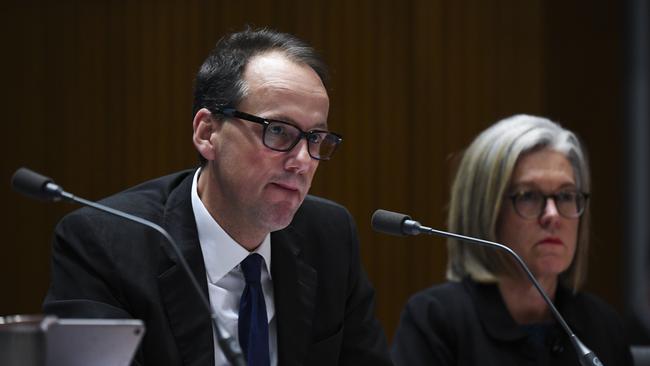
<point x="40" y="187"/>
<point x="394" y="223"/>
<point x="34" y="185"/>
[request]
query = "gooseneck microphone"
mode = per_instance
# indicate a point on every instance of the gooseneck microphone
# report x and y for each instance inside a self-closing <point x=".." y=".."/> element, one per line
<point x="394" y="223"/>
<point x="40" y="187"/>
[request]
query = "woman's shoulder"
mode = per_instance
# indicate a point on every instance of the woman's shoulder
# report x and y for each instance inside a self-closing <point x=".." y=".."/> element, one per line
<point x="583" y="307"/>
<point x="586" y="302"/>
<point x="444" y="300"/>
<point x="599" y="326"/>
<point x="449" y="291"/>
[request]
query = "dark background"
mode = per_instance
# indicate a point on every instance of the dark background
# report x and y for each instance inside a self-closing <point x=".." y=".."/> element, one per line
<point x="97" y="94"/>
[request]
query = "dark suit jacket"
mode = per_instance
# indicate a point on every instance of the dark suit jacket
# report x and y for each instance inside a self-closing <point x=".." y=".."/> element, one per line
<point x="468" y="324"/>
<point x="104" y="266"/>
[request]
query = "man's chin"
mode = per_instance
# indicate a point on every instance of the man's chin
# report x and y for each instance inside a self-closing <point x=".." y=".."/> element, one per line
<point x="281" y="215"/>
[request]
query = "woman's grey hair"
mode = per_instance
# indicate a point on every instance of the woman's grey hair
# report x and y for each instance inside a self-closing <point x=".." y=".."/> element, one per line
<point x="482" y="182"/>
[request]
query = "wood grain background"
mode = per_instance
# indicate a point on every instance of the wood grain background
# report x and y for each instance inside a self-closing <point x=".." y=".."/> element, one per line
<point x="97" y="94"/>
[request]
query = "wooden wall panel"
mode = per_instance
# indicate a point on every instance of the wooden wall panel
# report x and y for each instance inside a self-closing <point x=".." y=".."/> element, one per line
<point x="97" y="94"/>
<point x="585" y="92"/>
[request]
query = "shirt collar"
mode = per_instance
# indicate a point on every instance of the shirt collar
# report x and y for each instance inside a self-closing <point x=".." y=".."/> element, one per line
<point x="221" y="253"/>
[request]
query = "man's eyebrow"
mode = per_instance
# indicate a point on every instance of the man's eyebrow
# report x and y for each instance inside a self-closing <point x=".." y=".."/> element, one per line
<point x="318" y="126"/>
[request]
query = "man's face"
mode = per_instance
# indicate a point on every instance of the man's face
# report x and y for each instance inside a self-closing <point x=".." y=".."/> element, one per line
<point x="255" y="187"/>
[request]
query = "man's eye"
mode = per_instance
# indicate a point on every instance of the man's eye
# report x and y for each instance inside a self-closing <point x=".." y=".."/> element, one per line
<point x="277" y="129"/>
<point x="315" y="138"/>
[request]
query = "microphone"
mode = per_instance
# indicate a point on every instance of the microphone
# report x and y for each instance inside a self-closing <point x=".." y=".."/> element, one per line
<point x="40" y="187"/>
<point x="34" y="185"/>
<point x="394" y="223"/>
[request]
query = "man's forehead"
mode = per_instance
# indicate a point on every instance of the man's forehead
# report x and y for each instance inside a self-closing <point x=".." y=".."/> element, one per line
<point x="275" y="69"/>
<point x="279" y="88"/>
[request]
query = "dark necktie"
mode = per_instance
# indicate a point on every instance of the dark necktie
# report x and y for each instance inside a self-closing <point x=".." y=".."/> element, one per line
<point x="253" y="325"/>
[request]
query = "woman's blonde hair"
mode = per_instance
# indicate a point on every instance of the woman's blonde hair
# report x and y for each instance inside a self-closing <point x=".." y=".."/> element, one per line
<point x="481" y="183"/>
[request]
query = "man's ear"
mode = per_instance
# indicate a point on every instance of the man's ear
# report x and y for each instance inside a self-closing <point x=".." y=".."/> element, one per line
<point x="204" y="126"/>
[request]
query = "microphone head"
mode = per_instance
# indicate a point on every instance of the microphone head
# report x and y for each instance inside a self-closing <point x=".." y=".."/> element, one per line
<point x="389" y="222"/>
<point x="34" y="185"/>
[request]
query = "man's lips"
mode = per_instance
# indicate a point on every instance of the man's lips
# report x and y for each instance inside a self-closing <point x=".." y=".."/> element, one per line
<point x="551" y="240"/>
<point x="287" y="186"/>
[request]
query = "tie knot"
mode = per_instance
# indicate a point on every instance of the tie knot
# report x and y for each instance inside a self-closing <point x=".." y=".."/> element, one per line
<point x="252" y="267"/>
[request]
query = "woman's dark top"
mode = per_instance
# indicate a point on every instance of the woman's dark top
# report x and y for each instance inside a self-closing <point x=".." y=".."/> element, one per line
<point x="467" y="323"/>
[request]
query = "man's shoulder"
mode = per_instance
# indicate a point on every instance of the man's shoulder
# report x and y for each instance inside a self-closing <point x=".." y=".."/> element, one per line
<point x="320" y="217"/>
<point x="322" y="208"/>
<point x="317" y="201"/>
<point x="147" y="199"/>
<point x="154" y="189"/>
<point x="312" y="202"/>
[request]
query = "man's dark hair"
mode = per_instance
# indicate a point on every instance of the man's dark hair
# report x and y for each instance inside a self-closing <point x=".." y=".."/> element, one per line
<point x="219" y="82"/>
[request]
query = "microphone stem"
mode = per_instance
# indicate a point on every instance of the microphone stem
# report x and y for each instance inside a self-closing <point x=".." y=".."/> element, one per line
<point x="226" y="342"/>
<point x="520" y="262"/>
<point x="586" y="355"/>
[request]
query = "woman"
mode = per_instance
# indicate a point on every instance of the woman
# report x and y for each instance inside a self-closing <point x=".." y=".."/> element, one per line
<point x="524" y="182"/>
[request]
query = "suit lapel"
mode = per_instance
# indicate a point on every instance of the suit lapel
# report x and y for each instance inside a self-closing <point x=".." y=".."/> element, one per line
<point x="294" y="287"/>
<point x="188" y="318"/>
<point x="294" y="284"/>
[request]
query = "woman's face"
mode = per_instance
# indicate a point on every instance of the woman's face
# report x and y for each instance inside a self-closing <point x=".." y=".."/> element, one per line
<point x="546" y="243"/>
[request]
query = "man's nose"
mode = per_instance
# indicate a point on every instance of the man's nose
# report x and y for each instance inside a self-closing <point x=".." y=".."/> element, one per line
<point x="299" y="159"/>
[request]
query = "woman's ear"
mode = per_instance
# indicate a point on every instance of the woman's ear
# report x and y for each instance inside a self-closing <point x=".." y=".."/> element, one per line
<point x="204" y="127"/>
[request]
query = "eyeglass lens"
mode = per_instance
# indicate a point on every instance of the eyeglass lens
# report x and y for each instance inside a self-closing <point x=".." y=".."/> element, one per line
<point x="531" y="204"/>
<point x="283" y="137"/>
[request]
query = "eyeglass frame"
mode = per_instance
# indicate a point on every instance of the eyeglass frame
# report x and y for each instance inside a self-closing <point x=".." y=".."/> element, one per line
<point x="585" y="196"/>
<point x="265" y="122"/>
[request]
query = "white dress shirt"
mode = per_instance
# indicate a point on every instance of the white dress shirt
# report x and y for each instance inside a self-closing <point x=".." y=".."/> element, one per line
<point x="222" y="256"/>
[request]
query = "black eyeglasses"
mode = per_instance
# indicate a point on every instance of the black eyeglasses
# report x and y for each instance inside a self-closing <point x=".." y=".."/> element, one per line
<point x="283" y="136"/>
<point x="531" y="204"/>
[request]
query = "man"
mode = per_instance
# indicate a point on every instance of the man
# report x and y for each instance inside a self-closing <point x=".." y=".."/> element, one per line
<point x="260" y="127"/>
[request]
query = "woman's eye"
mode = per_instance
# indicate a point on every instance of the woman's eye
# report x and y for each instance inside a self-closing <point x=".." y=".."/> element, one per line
<point x="528" y="196"/>
<point x="566" y="196"/>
